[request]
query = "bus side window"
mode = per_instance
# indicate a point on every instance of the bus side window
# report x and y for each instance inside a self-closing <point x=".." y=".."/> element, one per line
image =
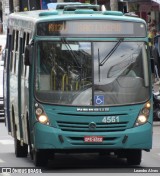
<point x="12" y="51"/>
<point x="16" y="49"/>
<point x="26" y="68"/>
<point x="22" y="54"/>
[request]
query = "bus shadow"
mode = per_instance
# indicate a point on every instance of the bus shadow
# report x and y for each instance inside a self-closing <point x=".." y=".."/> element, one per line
<point x="86" y="163"/>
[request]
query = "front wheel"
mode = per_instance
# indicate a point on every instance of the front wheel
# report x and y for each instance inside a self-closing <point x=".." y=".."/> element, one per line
<point x="40" y="158"/>
<point x="20" y="150"/>
<point x="134" y="157"/>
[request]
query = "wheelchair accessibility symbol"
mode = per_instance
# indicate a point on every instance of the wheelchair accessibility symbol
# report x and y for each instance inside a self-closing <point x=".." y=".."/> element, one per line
<point x="99" y="99"/>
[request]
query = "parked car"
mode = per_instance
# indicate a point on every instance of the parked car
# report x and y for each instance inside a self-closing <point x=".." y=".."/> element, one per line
<point x="2" y="53"/>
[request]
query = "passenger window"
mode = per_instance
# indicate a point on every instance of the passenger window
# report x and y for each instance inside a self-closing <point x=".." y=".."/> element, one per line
<point x="12" y="51"/>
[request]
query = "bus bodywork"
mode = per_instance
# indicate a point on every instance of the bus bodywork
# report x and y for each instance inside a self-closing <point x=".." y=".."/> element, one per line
<point x="78" y="82"/>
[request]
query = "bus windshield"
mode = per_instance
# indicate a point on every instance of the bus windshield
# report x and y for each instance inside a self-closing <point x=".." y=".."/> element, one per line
<point x="90" y="73"/>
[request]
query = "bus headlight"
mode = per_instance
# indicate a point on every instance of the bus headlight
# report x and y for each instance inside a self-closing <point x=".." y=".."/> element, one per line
<point x="141" y="119"/>
<point x="43" y="119"/>
<point x="143" y="115"/>
<point x="41" y="116"/>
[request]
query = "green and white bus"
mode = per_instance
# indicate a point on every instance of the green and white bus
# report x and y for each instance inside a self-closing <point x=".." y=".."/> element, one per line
<point x="78" y="81"/>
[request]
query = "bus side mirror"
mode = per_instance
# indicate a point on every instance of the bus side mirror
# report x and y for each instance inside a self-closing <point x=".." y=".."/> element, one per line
<point x="27" y="55"/>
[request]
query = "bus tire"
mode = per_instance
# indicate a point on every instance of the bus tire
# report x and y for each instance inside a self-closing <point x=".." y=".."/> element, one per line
<point x="40" y="158"/>
<point x="134" y="157"/>
<point x="20" y="151"/>
<point x="29" y="139"/>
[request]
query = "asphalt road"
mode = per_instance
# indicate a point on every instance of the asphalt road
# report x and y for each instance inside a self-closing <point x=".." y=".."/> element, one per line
<point x="80" y="163"/>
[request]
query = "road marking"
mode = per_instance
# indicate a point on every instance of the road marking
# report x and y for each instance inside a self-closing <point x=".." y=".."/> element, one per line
<point x="1" y="161"/>
<point x="6" y="142"/>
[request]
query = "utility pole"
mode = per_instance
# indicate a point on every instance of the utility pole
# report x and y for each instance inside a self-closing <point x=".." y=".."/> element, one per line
<point x="16" y="5"/>
<point x="7" y="8"/>
<point x="114" y="5"/>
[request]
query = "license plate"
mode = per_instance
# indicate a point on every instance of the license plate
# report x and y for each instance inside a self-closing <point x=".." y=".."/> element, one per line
<point x="93" y="139"/>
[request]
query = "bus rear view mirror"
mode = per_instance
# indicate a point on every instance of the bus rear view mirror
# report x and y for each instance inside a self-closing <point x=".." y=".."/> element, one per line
<point x="27" y="55"/>
<point x="145" y="66"/>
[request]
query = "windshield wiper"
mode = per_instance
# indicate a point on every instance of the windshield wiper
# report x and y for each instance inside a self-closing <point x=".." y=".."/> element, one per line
<point x="70" y="51"/>
<point x="99" y="70"/>
<point x="110" y="53"/>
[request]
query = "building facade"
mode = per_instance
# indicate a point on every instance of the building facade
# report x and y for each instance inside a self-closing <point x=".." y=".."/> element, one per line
<point x="4" y="12"/>
<point x="149" y="10"/>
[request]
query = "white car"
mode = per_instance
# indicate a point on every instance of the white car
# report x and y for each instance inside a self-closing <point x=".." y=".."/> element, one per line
<point x="2" y="43"/>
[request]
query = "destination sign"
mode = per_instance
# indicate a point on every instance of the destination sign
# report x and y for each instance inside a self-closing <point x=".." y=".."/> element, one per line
<point x="91" y="28"/>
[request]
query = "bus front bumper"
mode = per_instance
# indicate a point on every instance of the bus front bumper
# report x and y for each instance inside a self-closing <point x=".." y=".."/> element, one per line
<point x="46" y="137"/>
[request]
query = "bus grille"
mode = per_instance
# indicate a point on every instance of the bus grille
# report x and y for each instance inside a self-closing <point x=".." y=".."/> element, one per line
<point x="84" y="127"/>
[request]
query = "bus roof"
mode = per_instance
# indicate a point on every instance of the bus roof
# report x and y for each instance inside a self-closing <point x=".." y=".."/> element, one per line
<point x="28" y="19"/>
